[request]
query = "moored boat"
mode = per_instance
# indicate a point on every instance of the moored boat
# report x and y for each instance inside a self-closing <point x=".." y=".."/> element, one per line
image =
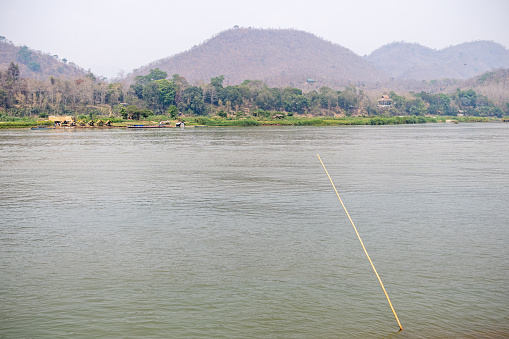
<point x="146" y="126"/>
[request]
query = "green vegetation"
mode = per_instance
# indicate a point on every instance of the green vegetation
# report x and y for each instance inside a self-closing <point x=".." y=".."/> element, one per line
<point x="326" y="121"/>
<point x="25" y="56"/>
<point x="15" y="122"/>
<point x="156" y="97"/>
<point x="93" y="120"/>
<point x="34" y="66"/>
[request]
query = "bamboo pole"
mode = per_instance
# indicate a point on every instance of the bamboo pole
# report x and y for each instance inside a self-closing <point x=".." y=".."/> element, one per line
<point x="363" y="247"/>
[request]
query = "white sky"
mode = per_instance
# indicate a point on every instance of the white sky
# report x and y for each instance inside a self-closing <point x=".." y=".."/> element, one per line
<point x="106" y="36"/>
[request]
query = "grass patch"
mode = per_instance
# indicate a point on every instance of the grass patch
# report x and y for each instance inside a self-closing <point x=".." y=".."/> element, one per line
<point x="206" y="121"/>
<point x="13" y="122"/>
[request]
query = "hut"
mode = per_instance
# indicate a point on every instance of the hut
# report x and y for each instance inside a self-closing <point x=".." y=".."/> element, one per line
<point x="62" y="121"/>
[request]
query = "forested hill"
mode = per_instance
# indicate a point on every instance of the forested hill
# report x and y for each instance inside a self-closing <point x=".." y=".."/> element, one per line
<point x="403" y="60"/>
<point x="280" y="57"/>
<point x="35" y="64"/>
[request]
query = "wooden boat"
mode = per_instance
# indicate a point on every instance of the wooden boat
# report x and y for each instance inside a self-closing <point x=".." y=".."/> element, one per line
<point x="36" y="128"/>
<point x="146" y="126"/>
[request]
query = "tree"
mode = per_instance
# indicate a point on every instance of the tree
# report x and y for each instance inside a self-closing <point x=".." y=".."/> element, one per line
<point x="151" y="94"/>
<point x="217" y="82"/>
<point x="265" y="99"/>
<point x="193" y="100"/>
<point x="233" y="95"/>
<point x="328" y="97"/>
<point x="24" y="55"/>
<point x="349" y="98"/>
<point x="300" y="104"/>
<point x="146" y="113"/>
<point x="467" y="98"/>
<point x="211" y="94"/>
<point x="3" y="99"/>
<point x="166" y="91"/>
<point x="289" y="98"/>
<point x="13" y="72"/>
<point x="114" y="93"/>
<point x="440" y="103"/>
<point x="91" y="76"/>
<point x="172" y="111"/>
<point x="137" y="90"/>
<point x="180" y="84"/>
<point x="133" y="112"/>
<point x="154" y="74"/>
<point x="398" y="102"/>
<point x="214" y="91"/>
<point x="34" y="66"/>
<point x="277" y="95"/>
<point x="415" y="107"/>
<point x="313" y="98"/>
<point x="123" y="112"/>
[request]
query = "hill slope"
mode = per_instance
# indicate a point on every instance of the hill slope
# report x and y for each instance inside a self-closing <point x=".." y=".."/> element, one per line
<point x="278" y="57"/>
<point x="493" y="84"/>
<point x="413" y="61"/>
<point x="35" y="64"/>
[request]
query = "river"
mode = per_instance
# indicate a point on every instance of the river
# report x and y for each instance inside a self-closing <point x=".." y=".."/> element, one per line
<point x="238" y="233"/>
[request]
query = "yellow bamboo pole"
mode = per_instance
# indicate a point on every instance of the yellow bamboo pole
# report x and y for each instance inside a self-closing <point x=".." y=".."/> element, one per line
<point x="363" y="247"/>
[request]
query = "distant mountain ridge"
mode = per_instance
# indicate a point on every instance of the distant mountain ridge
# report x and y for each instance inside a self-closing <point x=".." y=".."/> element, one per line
<point x="288" y="57"/>
<point x="35" y="64"/>
<point x="402" y="60"/>
<point x="279" y="57"/>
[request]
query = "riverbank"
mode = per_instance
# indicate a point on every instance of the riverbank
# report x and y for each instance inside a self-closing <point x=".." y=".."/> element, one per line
<point x="331" y="121"/>
<point x="286" y="121"/>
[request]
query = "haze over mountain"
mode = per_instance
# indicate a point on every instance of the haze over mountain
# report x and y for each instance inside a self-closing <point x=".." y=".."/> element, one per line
<point x="403" y="60"/>
<point x="289" y="57"/>
<point x="286" y="57"/>
<point x="280" y="57"/>
<point x="36" y="64"/>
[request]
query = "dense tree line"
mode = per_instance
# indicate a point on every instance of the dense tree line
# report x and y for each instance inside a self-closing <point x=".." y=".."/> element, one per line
<point x="157" y="94"/>
<point x="58" y="96"/>
<point x="460" y="102"/>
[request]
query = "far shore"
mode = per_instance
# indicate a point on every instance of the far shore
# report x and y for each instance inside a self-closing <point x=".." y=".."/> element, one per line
<point x="203" y="121"/>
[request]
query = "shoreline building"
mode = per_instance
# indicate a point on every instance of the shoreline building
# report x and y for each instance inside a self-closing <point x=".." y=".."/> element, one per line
<point x="62" y="121"/>
<point x="384" y="102"/>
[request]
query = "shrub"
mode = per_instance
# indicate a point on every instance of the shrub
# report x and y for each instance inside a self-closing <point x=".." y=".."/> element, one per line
<point x="34" y="66"/>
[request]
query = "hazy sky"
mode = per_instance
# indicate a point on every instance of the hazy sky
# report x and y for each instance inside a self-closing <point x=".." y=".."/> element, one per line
<point x="107" y="36"/>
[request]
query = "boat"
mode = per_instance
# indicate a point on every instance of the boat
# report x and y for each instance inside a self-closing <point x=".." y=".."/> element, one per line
<point x="41" y="127"/>
<point x="146" y="126"/>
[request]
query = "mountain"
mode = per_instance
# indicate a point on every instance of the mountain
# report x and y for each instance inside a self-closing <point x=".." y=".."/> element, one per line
<point x="35" y="64"/>
<point x="280" y="57"/>
<point x="403" y="60"/>
<point x="287" y="57"/>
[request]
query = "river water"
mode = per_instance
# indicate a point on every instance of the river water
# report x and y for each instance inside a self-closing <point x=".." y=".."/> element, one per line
<point x="238" y="233"/>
